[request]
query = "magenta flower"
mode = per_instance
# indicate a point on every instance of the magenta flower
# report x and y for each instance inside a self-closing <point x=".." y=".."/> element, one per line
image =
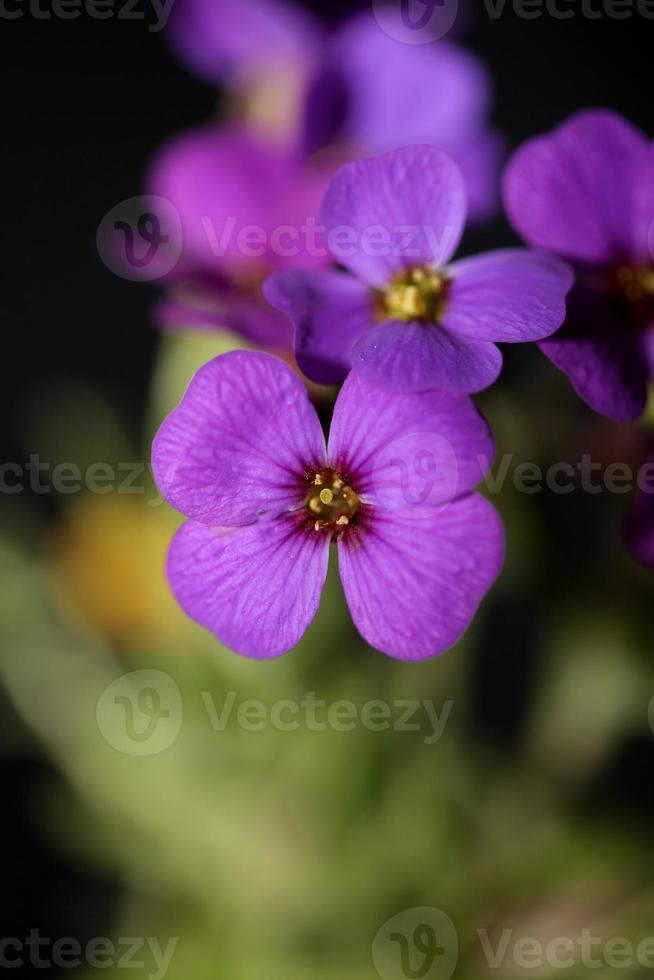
<point x="242" y="201"/>
<point x="244" y="457"/>
<point x="586" y="191"/>
<point x="404" y="317"/>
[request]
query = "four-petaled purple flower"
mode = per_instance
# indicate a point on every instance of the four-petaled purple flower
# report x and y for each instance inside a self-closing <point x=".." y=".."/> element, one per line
<point x="403" y="317"/>
<point x="586" y="191"/>
<point x="244" y="457"/>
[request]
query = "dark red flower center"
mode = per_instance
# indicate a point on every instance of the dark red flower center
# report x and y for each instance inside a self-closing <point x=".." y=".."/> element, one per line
<point x="330" y="502"/>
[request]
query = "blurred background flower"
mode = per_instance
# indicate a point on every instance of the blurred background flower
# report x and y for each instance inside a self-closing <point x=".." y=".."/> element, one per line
<point x="298" y="101"/>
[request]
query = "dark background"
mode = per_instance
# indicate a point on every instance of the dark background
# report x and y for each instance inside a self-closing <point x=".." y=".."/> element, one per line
<point x="85" y="104"/>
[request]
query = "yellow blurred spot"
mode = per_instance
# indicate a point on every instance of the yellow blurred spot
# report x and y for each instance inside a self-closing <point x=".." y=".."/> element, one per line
<point x="107" y="556"/>
<point x="415" y="294"/>
<point x="270" y="98"/>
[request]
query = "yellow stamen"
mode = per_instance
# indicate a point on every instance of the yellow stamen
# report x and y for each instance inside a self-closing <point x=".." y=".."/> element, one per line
<point x="415" y="294"/>
<point x="336" y="504"/>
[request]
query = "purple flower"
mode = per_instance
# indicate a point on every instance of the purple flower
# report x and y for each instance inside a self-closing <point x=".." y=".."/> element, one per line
<point x="371" y="93"/>
<point x="403" y="317"/>
<point x="244" y="457"/>
<point x="237" y="194"/>
<point x="359" y="90"/>
<point x="586" y="191"/>
<point x="230" y="43"/>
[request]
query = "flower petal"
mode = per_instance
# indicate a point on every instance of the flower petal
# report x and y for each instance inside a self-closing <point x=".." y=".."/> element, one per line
<point x="404" y="451"/>
<point x="329" y="311"/>
<point x="605" y="371"/>
<point x="238" y="444"/>
<point x="572" y="190"/>
<point x="397" y="94"/>
<point x="385" y="213"/>
<point x="603" y="359"/>
<point x="219" y="39"/>
<point x="375" y="93"/>
<point x="510" y="295"/>
<point x="256" y="589"/>
<point x="417" y="356"/>
<point x="233" y="221"/>
<point x="413" y="581"/>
